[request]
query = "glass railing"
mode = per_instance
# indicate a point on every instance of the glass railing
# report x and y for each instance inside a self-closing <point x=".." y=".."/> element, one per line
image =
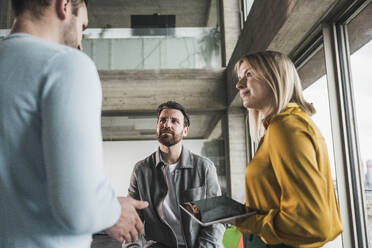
<point x="171" y="48"/>
<point x="162" y="48"/>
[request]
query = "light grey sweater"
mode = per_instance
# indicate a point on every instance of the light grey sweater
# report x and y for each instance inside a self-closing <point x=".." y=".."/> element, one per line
<point x="53" y="192"/>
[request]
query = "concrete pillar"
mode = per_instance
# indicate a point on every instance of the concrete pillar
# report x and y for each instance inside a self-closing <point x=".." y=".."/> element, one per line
<point x="230" y="27"/>
<point x="5" y="14"/>
<point x="235" y="129"/>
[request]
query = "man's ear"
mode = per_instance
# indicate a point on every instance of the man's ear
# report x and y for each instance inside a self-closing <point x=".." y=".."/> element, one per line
<point x="185" y="131"/>
<point x="62" y="8"/>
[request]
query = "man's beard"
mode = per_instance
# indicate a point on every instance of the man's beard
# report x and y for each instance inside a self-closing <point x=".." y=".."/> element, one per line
<point x="69" y="34"/>
<point x="169" y="140"/>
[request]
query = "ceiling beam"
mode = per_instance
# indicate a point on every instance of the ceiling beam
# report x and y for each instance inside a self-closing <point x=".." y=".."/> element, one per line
<point x="141" y="91"/>
<point x="124" y="128"/>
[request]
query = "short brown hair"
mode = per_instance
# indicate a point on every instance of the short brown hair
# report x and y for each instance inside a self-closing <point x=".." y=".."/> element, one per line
<point x="175" y="105"/>
<point x="35" y="6"/>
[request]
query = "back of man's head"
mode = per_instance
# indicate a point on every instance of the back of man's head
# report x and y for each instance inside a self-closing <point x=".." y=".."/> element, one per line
<point x="37" y="7"/>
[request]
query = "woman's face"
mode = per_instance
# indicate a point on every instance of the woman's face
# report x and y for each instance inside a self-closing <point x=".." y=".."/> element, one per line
<point x="255" y="94"/>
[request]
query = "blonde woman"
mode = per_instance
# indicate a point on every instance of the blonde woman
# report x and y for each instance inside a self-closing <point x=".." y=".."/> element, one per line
<point x="288" y="181"/>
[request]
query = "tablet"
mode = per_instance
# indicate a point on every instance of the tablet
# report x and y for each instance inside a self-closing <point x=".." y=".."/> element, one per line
<point x="215" y="210"/>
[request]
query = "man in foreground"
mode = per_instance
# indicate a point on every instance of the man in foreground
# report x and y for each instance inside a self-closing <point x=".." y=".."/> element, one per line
<point x="170" y="176"/>
<point x="53" y="191"/>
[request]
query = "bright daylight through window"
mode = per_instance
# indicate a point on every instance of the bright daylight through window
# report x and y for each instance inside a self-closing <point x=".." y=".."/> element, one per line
<point x="361" y="62"/>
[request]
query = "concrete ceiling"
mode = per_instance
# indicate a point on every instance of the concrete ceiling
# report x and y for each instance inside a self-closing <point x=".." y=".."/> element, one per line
<point x="285" y="24"/>
<point x="130" y="99"/>
<point x="116" y="13"/>
<point x="144" y="127"/>
<point x="141" y="91"/>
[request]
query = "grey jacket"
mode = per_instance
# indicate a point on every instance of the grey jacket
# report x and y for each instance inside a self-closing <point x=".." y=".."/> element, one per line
<point x="196" y="179"/>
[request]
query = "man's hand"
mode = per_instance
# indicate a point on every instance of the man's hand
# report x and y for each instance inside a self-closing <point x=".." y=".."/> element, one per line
<point x="129" y="226"/>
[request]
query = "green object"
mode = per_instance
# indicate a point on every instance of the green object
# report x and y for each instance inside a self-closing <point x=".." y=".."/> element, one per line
<point x="231" y="237"/>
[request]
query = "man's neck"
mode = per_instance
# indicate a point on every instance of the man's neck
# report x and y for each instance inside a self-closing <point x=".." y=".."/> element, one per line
<point x="171" y="154"/>
<point x="43" y="27"/>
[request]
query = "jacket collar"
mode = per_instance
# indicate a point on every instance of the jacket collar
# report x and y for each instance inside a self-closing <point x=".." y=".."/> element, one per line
<point x="290" y="106"/>
<point x="185" y="160"/>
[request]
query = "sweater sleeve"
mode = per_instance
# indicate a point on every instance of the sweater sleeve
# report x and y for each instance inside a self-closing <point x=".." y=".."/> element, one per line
<point x="303" y="217"/>
<point x="79" y="194"/>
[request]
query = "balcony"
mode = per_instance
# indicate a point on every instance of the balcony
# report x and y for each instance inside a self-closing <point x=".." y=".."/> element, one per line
<point x="155" y="48"/>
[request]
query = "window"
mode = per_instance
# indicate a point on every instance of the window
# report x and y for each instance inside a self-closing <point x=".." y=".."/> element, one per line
<point x="360" y="40"/>
<point x="360" y="65"/>
<point x="317" y="94"/>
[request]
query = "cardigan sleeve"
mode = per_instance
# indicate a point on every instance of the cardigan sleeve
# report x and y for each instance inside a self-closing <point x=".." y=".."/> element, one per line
<point x="303" y="217"/>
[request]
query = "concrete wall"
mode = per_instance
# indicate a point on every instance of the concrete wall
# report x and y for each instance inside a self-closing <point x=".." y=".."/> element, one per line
<point x="213" y="14"/>
<point x="120" y="158"/>
<point x="6" y="18"/>
<point x="235" y="128"/>
<point x="360" y="30"/>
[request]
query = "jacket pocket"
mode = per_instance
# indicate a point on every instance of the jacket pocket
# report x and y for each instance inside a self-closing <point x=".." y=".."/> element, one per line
<point x="194" y="194"/>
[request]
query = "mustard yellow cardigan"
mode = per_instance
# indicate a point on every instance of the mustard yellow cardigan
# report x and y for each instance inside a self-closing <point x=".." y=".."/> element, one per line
<point x="289" y="183"/>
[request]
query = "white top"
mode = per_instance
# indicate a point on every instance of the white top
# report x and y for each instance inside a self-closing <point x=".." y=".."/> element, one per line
<point x="53" y="191"/>
<point x="171" y="210"/>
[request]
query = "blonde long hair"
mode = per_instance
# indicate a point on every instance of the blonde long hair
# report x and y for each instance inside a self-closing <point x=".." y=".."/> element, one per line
<point x="280" y="74"/>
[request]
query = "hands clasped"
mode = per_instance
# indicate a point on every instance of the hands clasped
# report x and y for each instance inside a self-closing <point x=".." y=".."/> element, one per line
<point x="129" y="226"/>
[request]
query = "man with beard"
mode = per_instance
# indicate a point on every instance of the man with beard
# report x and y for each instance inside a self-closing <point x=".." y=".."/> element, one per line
<point x="53" y="191"/>
<point x="170" y="176"/>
